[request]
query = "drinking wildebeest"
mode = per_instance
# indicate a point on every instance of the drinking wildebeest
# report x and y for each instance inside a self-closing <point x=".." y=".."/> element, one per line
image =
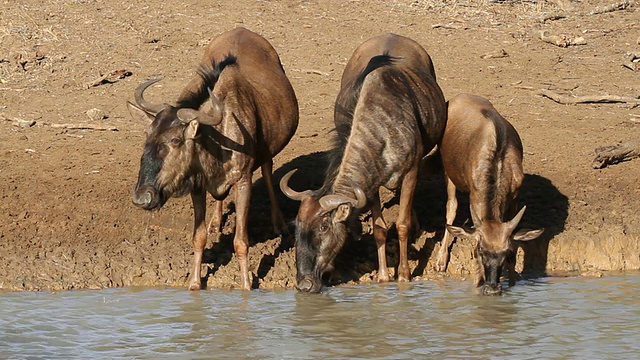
<point x="482" y="155"/>
<point x="389" y="113"/>
<point x="253" y="115"/>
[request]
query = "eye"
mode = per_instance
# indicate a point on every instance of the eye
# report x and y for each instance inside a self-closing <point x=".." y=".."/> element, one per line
<point x="175" y="142"/>
<point x="324" y="228"/>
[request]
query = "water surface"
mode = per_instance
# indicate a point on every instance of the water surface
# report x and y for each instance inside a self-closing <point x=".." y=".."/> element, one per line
<point x="552" y="318"/>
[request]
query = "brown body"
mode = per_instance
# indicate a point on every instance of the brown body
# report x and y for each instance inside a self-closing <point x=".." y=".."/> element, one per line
<point x="389" y="113"/>
<point x="251" y="115"/>
<point x="482" y="156"/>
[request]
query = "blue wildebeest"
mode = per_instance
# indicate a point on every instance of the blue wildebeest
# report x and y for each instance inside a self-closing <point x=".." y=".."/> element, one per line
<point x="251" y="115"/>
<point x="389" y="113"/>
<point x="482" y="155"/>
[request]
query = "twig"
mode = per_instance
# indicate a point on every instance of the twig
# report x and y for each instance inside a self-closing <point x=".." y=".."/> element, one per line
<point x="561" y="41"/>
<point x="312" y="71"/>
<point x="613" y="154"/>
<point x="108" y="78"/>
<point x="565" y="99"/>
<point x="610" y="8"/>
<point x="83" y="127"/>
<point x="18" y="122"/>
<point x="633" y="62"/>
<point x="553" y="17"/>
<point x="563" y="5"/>
<point x="495" y="54"/>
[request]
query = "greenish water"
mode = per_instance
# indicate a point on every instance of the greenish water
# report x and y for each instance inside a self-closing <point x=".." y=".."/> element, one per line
<point x="551" y="318"/>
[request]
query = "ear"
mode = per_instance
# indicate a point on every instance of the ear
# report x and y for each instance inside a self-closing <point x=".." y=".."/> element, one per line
<point x="192" y="130"/>
<point x="139" y="114"/>
<point x="342" y="213"/>
<point x="527" y="234"/>
<point x="461" y="232"/>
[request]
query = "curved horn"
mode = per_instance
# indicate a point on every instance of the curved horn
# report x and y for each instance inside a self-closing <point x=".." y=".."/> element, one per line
<point x="144" y="105"/>
<point x="360" y="197"/>
<point x="432" y="152"/>
<point x="290" y="193"/>
<point x="187" y="115"/>
<point x="474" y="217"/>
<point x="330" y="202"/>
<point x="516" y="219"/>
<point x="216" y="110"/>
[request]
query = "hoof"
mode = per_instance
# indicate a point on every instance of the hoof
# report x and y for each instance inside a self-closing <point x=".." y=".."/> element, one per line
<point x="194" y="287"/>
<point x="441" y="267"/>
<point x="404" y="277"/>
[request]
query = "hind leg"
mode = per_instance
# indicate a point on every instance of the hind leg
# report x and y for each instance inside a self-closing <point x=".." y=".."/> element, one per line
<point x="277" y="220"/>
<point x="447" y="239"/>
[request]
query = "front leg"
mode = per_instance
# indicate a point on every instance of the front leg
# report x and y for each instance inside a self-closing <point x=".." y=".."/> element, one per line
<point x="478" y="270"/>
<point x="403" y="223"/>
<point x="510" y="264"/>
<point x="241" y="238"/>
<point x="380" y="234"/>
<point x="198" y="198"/>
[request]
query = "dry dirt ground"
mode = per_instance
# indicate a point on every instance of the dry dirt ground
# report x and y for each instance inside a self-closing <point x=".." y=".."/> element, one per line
<point x="66" y="218"/>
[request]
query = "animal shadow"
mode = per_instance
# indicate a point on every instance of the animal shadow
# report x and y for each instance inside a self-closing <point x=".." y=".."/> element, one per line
<point x="547" y="208"/>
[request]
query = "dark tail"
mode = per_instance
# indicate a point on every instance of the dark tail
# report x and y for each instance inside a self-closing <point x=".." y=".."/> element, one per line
<point x="197" y="92"/>
<point x="375" y="62"/>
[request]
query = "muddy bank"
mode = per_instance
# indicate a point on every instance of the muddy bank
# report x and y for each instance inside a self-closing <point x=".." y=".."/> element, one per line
<point x="67" y="221"/>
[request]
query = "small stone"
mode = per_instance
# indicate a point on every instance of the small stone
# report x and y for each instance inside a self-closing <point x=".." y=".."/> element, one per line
<point x="96" y="114"/>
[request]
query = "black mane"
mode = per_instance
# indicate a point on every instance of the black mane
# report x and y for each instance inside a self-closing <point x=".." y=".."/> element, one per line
<point x="208" y="76"/>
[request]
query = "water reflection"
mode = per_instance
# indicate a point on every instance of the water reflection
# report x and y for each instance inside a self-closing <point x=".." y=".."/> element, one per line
<point x="548" y="318"/>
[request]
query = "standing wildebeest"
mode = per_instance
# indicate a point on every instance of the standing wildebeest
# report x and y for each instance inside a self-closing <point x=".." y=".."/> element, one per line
<point x="482" y="155"/>
<point x="253" y="115"/>
<point x="389" y="113"/>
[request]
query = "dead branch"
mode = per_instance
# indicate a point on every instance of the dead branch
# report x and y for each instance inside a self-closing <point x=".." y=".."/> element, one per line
<point x="109" y="78"/>
<point x="561" y="40"/>
<point x="613" y="154"/>
<point x="553" y="17"/>
<point x="82" y="127"/>
<point x="633" y="62"/>
<point x="495" y="54"/>
<point x="312" y="71"/>
<point x="589" y="99"/>
<point x="564" y="5"/>
<point x="610" y="8"/>
<point x="18" y="122"/>
<point x="450" y="25"/>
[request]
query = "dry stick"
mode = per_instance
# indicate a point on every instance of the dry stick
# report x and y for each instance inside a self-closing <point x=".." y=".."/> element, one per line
<point x="18" y="122"/>
<point x="561" y="41"/>
<point x="83" y="127"/>
<point x="108" y="78"/>
<point x="613" y="154"/>
<point x="633" y="61"/>
<point x="610" y="8"/>
<point x="565" y="99"/>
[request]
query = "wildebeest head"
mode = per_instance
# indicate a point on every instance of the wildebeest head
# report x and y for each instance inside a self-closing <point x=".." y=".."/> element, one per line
<point x="323" y="224"/>
<point x="493" y="247"/>
<point x="169" y="150"/>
